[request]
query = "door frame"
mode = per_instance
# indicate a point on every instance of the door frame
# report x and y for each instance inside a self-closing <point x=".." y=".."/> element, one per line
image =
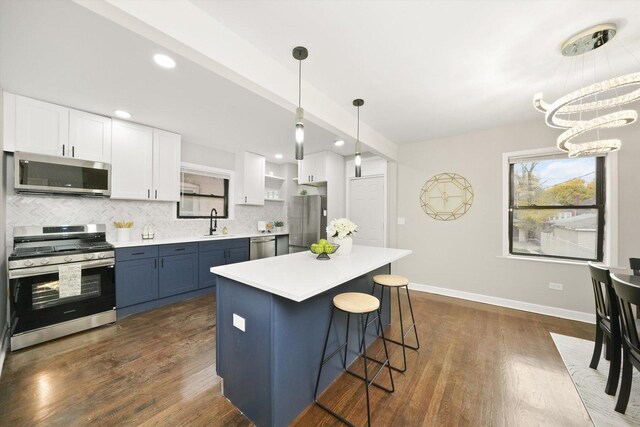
<point x="385" y="195"/>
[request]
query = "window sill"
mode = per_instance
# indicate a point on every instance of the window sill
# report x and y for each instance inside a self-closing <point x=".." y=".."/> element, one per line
<point x="544" y="260"/>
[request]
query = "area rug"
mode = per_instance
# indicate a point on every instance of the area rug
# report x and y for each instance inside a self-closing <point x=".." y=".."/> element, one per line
<point x="576" y="354"/>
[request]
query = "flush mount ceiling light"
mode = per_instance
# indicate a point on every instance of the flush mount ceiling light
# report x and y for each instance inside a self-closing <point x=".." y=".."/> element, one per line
<point x="358" y="159"/>
<point x="590" y="99"/>
<point x="122" y="114"/>
<point x="164" y="60"/>
<point x="339" y="142"/>
<point x="300" y="54"/>
<point x="278" y="156"/>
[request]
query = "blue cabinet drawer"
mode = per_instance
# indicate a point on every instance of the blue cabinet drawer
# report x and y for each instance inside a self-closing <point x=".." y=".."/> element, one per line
<point x="178" y="248"/>
<point x="212" y="246"/>
<point x="136" y="252"/>
<point x="238" y="243"/>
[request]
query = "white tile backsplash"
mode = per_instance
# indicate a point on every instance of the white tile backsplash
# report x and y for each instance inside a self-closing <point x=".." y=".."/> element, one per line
<point x="24" y="210"/>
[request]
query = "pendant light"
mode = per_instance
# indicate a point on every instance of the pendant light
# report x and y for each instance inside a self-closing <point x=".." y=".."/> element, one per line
<point x="300" y="54"/>
<point x="358" y="159"/>
<point x="567" y="112"/>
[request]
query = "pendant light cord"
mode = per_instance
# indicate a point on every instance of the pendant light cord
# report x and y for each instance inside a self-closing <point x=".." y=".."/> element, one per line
<point x="358" y="133"/>
<point x="299" y="83"/>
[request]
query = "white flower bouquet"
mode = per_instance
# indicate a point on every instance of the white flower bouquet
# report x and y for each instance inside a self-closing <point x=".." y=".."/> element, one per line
<point x="341" y="228"/>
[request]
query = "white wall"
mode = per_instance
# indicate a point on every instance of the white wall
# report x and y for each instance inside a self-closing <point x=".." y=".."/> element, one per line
<point x="465" y="254"/>
<point x="203" y="155"/>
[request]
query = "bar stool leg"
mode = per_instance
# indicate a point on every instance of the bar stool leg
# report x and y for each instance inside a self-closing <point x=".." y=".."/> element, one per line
<point x="413" y="320"/>
<point x="324" y="351"/>
<point x="366" y="370"/>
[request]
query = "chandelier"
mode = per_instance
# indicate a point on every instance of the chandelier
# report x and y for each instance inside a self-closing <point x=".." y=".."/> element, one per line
<point x="567" y="112"/>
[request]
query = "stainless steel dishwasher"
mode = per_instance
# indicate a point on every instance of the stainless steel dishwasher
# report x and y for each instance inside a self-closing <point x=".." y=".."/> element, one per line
<point x="262" y="247"/>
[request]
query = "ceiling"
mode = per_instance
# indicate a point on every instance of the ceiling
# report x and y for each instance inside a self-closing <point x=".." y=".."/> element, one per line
<point x="426" y="69"/>
<point x="60" y="52"/>
<point x="429" y="69"/>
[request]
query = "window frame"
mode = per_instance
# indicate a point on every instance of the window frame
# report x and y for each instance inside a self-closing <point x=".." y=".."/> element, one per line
<point x="225" y="174"/>
<point x="608" y="215"/>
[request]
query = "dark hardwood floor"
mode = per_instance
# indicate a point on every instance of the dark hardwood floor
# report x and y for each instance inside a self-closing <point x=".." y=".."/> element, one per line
<point x="478" y="365"/>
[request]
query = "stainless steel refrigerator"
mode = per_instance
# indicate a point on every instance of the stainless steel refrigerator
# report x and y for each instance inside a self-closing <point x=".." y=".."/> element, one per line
<point x="307" y="221"/>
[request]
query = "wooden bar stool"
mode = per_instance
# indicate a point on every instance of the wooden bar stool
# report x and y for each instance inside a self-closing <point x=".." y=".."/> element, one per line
<point x="389" y="281"/>
<point x="359" y="304"/>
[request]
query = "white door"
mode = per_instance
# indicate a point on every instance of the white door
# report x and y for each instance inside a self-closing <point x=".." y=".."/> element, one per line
<point x="89" y="136"/>
<point x="41" y="127"/>
<point x="166" y="166"/>
<point x="367" y="210"/>
<point x="131" y="161"/>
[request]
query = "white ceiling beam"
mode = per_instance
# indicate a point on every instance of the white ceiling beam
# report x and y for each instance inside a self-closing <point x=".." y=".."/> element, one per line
<point x="185" y="29"/>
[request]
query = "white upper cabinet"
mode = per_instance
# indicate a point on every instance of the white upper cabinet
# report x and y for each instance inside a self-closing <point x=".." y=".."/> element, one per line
<point x="131" y="161"/>
<point x="145" y="163"/>
<point x="166" y="165"/>
<point x="250" y="169"/>
<point x="313" y="168"/>
<point x="89" y="136"/>
<point x="41" y="127"/>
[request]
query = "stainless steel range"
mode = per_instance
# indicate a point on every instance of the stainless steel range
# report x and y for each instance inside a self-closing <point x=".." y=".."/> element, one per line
<point x="61" y="280"/>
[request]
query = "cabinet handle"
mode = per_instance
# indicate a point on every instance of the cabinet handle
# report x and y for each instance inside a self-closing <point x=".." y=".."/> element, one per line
<point x="180" y="249"/>
<point x="156" y="194"/>
<point x="155" y="263"/>
<point x="63" y="150"/>
<point x="148" y="193"/>
<point x="161" y="262"/>
<point x="245" y="199"/>
<point x="73" y="151"/>
<point x="137" y="253"/>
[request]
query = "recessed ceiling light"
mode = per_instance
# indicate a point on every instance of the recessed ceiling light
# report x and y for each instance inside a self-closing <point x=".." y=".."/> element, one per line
<point x="122" y="114"/>
<point x="164" y="60"/>
<point x="339" y="142"/>
<point x="278" y="156"/>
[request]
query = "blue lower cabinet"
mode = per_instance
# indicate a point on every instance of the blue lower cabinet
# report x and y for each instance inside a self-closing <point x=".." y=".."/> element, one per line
<point x="237" y="255"/>
<point x="136" y="281"/>
<point x="153" y="275"/>
<point x="212" y="258"/>
<point x="178" y="274"/>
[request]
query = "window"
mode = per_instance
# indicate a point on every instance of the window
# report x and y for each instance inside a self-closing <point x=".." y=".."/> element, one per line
<point x="200" y="193"/>
<point x="557" y="207"/>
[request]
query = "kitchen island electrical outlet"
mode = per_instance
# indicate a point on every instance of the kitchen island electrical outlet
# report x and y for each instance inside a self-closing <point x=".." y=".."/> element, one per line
<point x="238" y="322"/>
<point x="555" y="286"/>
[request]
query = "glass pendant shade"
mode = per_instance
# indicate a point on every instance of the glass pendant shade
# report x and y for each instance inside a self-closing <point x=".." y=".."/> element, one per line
<point x="358" y="158"/>
<point x="358" y="162"/>
<point x="299" y="134"/>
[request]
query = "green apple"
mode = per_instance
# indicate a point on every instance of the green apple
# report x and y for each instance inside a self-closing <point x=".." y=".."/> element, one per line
<point x="329" y="248"/>
<point x="316" y="248"/>
<point x="323" y="242"/>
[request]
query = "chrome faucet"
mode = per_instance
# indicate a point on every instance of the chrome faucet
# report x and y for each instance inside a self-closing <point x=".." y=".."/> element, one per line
<point x="213" y="224"/>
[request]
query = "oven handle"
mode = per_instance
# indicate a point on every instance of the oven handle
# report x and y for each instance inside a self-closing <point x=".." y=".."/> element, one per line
<point x="48" y="269"/>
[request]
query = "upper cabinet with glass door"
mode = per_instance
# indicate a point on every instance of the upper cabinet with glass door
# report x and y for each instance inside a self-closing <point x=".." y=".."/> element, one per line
<point x="40" y="127"/>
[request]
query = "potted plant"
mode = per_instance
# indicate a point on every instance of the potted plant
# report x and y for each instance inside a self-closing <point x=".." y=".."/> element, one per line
<point x="279" y="225"/>
<point x="342" y="230"/>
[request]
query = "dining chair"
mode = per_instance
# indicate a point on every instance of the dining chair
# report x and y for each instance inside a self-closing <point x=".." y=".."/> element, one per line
<point x="634" y="264"/>
<point x="607" y="325"/>
<point x="628" y="296"/>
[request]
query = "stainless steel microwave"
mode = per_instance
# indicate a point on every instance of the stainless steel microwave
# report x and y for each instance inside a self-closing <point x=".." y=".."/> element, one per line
<point x="41" y="174"/>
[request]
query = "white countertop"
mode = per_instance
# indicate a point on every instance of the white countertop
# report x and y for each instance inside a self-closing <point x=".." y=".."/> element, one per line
<point x="203" y="238"/>
<point x="301" y="276"/>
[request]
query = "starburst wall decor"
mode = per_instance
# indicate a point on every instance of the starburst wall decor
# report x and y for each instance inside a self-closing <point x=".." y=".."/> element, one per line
<point x="446" y="196"/>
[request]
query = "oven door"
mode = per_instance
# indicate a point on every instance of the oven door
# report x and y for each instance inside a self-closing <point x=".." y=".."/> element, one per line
<point x="36" y="301"/>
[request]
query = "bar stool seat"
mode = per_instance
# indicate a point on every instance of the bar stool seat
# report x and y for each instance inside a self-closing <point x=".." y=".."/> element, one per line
<point x="356" y="302"/>
<point x="395" y="281"/>
<point x="360" y="305"/>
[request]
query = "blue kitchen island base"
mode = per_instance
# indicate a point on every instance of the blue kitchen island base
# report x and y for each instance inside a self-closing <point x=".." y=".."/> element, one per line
<point x="270" y="368"/>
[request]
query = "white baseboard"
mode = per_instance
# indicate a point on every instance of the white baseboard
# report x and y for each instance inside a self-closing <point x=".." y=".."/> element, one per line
<point x="509" y="303"/>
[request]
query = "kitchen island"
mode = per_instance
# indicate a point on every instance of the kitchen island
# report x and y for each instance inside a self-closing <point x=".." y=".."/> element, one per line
<point x="272" y="318"/>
